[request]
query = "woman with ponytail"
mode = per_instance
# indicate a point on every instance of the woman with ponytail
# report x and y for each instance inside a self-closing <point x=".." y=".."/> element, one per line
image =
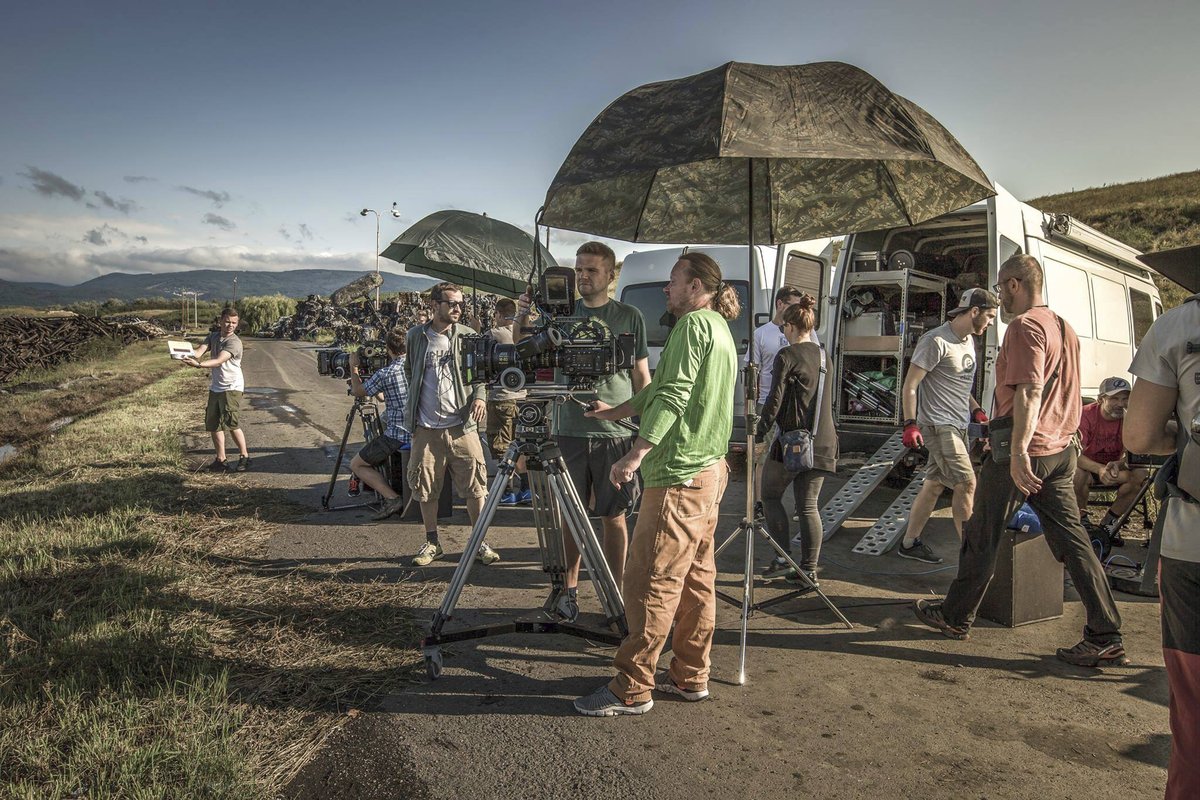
<point x="790" y="403"/>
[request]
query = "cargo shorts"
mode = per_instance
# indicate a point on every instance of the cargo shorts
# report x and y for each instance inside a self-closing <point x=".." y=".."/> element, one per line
<point x="949" y="456"/>
<point x="222" y="411"/>
<point x="436" y="449"/>
<point x="501" y="425"/>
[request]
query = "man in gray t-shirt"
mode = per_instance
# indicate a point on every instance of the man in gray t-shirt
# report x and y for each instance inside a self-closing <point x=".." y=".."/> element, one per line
<point x="224" y="390"/>
<point x="938" y="402"/>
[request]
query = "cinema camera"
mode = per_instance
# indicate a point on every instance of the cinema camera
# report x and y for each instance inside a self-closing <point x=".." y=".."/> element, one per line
<point x="335" y="362"/>
<point x="581" y="349"/>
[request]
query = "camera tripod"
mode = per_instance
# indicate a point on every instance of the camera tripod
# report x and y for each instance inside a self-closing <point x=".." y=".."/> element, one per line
<point x="751" y="526"/>
<point x="367" y="413"/>
<point x="556" y="507"/>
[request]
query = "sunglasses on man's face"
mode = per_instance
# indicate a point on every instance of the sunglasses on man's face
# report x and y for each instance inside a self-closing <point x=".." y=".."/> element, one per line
<point x="454" y="303"/>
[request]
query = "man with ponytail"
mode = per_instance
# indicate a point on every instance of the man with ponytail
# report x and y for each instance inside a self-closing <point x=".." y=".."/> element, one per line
<point x="686" y="420"/>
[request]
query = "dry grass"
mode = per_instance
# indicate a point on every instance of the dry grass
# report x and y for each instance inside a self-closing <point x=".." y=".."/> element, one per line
<point x="1150" y="215"/>
<point x="147" y="647"/>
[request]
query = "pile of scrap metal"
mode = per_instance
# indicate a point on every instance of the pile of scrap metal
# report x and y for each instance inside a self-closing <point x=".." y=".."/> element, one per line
<point x="34" y="342"/>
<point x="353" y="320"/>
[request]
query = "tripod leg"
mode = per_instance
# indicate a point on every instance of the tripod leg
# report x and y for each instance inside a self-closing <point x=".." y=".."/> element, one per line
<point x="810" y="586"/>
<point x="337" y="464"/>
<point x="580" y="527"/>
<point x="478" y="533"/>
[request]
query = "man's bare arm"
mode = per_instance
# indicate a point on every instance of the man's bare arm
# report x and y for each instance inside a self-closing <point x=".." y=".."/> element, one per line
<point x="1145" y="430"/>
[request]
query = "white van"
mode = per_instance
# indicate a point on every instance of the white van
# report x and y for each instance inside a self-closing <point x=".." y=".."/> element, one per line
<point x="892" y="285"/>
<point x="803" y="264"/>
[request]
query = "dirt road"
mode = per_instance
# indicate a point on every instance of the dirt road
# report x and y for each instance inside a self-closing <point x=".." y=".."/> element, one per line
<point x="886" y="710"/>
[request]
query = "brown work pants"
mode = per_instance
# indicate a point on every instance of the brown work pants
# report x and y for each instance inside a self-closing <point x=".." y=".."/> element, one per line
<point x="670" y="577"/>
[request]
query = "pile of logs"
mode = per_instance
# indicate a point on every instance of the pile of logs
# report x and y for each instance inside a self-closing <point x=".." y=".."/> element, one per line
<point x="27" y="342"/>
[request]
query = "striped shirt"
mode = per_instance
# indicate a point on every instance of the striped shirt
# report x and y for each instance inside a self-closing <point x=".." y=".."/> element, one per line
<point x="392" y="380"/>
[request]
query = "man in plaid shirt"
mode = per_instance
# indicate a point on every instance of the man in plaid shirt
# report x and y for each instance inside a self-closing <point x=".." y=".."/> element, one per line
<point x="392" y="381"/>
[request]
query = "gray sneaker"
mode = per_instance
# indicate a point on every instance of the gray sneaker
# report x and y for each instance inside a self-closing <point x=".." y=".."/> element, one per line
<point x="778" y="568"/>
<point x="664" y="683"/>
<point x="425" y="556"/>
<point x="918" y="552"/>
<point x="603" y="703"/>
<point x="390" y="507"/>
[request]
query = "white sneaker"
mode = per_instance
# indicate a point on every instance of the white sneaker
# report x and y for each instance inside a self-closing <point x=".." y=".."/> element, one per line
<point x="425" y="556"/>
<point x="486" y="555"/>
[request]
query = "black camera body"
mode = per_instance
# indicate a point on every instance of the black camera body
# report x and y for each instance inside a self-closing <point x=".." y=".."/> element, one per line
<point x="581" y="349"/>
<point x="335" y="362"/>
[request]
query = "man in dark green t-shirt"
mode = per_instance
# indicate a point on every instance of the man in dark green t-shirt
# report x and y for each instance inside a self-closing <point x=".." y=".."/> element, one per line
<point x="591" y="446"/>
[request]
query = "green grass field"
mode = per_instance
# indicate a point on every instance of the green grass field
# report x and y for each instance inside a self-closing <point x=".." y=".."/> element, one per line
<point x="147" y="649"/>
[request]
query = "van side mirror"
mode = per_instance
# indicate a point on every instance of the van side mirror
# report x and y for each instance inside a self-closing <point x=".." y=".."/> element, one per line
<point x="761" y="319"/>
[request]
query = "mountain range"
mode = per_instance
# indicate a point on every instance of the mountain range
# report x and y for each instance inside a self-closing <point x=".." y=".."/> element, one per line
<point x="212" y="284"/>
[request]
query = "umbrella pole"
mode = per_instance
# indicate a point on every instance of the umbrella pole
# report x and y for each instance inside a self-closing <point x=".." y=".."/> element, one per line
<point x="750" y="526"/>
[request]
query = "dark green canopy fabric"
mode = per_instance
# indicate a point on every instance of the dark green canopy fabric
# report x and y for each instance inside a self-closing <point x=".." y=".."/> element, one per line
<point x="830" y="150"/>
<point x="1182" y="265"/>
<point x="472" y="250"/>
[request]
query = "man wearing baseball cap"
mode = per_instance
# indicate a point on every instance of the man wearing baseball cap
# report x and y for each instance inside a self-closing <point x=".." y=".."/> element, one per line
<point x="943" y="368"/>
<point x="1102" y="461"/>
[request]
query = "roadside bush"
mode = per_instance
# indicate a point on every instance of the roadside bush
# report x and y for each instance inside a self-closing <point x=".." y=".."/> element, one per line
<point x="260" y="311"/>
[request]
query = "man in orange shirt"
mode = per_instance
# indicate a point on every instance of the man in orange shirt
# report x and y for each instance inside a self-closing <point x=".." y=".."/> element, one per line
<point x="1037" y="385"/>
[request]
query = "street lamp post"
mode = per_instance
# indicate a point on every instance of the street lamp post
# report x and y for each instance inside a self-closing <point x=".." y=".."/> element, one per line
<point x="363" y="213"/>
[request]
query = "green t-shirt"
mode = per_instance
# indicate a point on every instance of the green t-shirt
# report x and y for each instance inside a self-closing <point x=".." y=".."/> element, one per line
<point x="687" y="410"/>
<point x="614" y="389"/>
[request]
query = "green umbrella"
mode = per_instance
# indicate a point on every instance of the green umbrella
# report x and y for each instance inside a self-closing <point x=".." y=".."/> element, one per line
<point x="469" y="249"/>
<point x="813" y="150"/>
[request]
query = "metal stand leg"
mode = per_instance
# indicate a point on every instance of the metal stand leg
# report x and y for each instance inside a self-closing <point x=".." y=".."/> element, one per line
<point x="372" y="427"/>
<point x="750" y="528"/>
<point x="555" y="505"/>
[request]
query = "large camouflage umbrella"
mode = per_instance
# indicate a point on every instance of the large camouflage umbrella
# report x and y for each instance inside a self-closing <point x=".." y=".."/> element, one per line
<point x="813" y="150"/>
<point x="469" y="249"/>
<point x="747" y="154"/>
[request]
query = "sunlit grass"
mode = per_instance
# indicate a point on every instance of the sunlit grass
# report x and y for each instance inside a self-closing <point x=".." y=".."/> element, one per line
<point x="147" y="649"/>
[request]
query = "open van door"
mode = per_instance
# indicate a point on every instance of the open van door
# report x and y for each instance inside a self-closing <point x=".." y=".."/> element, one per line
<point x="1006" y="238"/>
<point x="806" y="265"/>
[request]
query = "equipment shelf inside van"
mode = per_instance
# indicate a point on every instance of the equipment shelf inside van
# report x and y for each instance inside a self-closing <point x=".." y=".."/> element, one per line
<point x="894" y="284"/>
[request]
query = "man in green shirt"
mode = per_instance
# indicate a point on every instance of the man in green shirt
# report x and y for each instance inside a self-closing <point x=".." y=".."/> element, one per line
<point x="686" y="419"/>
<point x="591" y="446"/>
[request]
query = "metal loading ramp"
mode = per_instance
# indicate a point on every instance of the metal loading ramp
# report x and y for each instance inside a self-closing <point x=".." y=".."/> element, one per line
<point x="856" y="490"/>
<point x="890" y="527"/>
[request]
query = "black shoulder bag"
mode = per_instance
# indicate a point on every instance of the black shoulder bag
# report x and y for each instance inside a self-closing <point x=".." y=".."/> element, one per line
<point x="797" y="445"/>
<point x="1000" y="429"/>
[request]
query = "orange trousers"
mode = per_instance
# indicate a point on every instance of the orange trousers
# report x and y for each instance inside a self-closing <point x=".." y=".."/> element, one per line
<point x="670" y="577"/>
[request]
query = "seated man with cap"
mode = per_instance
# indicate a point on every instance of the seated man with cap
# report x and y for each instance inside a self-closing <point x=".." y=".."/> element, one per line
<point x="1102" y="460"/>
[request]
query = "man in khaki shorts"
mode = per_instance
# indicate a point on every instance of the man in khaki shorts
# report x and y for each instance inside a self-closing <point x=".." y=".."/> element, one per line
<point x="446" y="413"/>
<point x="502" y="410"/>
<point x="943" y="368"/>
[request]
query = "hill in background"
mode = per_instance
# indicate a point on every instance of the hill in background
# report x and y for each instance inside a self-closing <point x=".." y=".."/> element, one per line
<point x="1156" y="214"/>
<point x="213" y="284"/>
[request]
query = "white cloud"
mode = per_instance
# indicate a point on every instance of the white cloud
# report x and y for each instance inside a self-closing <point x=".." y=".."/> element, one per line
<point x="76" y="264"/>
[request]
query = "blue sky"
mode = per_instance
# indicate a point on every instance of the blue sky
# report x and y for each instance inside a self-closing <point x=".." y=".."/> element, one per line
<point x="150" y="137"/>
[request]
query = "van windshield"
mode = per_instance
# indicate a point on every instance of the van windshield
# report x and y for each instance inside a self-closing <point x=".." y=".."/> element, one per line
<point x="650" y="300"/>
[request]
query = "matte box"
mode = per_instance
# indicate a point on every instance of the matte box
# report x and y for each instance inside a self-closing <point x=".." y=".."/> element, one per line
<point x="1028" y="584"/>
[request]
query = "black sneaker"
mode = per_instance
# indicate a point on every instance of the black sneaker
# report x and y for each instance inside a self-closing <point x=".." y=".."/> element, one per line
<point x="810" y="577"/>
<point x="1089" y="654"/>
<point x="778" y="568"/>
<point x="918" y="552"/>
<point x="355" y="488"/>
<point x="931" y="614"/>
<point x="218" y="465"/>
<point x="243" y="463"/>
